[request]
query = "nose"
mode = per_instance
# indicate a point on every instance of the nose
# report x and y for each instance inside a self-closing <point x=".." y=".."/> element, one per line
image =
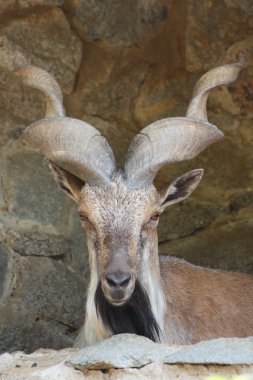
<point x="118" y="280"/>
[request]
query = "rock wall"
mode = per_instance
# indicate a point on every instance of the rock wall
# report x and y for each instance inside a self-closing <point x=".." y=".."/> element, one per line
<point x="121" y="65"/>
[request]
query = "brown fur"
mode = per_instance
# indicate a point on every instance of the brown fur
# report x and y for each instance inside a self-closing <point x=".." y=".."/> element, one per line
<point x="204" y="303"/>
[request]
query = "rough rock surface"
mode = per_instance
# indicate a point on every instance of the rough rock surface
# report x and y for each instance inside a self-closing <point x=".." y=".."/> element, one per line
<point x="121" y="65"/>
<point x="40" y="302"/>
<point x="131" y="357"/>
<point x="127" y="350"/>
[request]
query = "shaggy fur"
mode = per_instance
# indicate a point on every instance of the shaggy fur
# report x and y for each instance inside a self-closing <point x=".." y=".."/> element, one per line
<point x="134" y="317"/>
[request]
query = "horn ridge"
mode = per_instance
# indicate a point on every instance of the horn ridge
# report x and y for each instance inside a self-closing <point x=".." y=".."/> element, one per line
<point x="75" y="146"/>
<point x="72" y="144"/>
<point x="179" y="138"/>
<point x="216" y="77"/>
<point x="41" y="80"/>
<point x="166" y="141"/>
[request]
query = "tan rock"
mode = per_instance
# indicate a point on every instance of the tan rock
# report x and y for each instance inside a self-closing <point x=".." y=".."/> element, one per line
<point x="50" y="364"/>
<point x="19" y="106"/>
<point x="119" y="136"/>
<point x="212" y="27"/>
<point x="246" y="5"/>
<point x="128" y="85"/>
<point x="44" y="37"/>
<point x="118" y="24"/>
<point x="17" y="5"/>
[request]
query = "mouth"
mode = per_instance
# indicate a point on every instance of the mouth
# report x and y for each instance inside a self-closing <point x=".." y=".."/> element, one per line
<point x="117" y="303"/>
<point x="116" y="297"/>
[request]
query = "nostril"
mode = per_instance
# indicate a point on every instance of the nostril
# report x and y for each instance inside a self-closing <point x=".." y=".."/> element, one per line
<point x="110" y="281"/>
<point x="118" y="280"/>
<point x="125" y="282"/>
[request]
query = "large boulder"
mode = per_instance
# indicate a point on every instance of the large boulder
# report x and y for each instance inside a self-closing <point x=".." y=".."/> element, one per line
<point x="41" y="302"/>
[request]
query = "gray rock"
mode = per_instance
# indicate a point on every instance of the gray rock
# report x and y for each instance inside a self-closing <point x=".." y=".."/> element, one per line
<point x="118" y="136"/>
<point x="229" y="351"/>
<point x="11" y="129"/>
<point x="227" y="246"/>
<point x="19" y="106"/>
<point x="117" y="23"/>
<point x="50" y="364"/>
<point x="37" y="243"/>
<point x="119" y="351"/>
<point x="3" y="200"/>
<point x="42" y="302"/>
<point x="4" y="259"/>
<point x="243" y="199"/>
<point x="31" y="191"/>
<point x="208" y="36"/>
<point x="44" y="37"/>
<point x="186" y="219"/>
<point x="110" y="95"/>
<point x="126" y="350"/>
<point x="245" y="5"/>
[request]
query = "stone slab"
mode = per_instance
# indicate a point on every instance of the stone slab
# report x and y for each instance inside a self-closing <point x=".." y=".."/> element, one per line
<point x="50" y="364"/>
<point x="127" y="350"/>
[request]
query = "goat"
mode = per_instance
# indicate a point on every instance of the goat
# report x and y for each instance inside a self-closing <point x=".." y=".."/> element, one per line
<point x="130" y="290"/>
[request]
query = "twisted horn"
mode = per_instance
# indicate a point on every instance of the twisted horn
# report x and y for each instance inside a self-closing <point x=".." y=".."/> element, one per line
<point x="216" y="77"/>
<point x="178" y="138"/>
<point x="72" y="144"/>
<point x="41" y="80"/>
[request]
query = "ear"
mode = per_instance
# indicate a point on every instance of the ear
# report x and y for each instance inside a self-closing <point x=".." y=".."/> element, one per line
<point x="181" y="188"/>
<point x="69" y="183"/>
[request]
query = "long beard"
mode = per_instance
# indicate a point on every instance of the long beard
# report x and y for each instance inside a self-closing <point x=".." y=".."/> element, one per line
<point x="134" y="317"/>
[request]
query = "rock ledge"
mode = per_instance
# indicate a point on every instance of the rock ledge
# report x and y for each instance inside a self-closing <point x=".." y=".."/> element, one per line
<point x="129" y="356"/>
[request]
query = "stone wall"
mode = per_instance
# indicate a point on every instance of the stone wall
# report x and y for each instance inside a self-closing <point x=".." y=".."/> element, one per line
<point x="121" y="65"/>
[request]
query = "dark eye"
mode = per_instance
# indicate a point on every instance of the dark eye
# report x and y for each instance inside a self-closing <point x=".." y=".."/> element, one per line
<point x="83" y="217"/>
<point x="155" y="216"/>
<point x="87" y="224"/>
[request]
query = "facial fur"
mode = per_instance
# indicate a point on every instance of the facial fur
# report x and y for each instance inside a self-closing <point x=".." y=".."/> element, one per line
<point x="117" y="222"/>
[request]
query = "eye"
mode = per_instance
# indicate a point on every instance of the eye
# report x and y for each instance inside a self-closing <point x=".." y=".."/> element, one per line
<point x="86" y="223"/>
<point x="155" y="216"/>
<point x="152" y="222"/>
<point x="83" y="217"/>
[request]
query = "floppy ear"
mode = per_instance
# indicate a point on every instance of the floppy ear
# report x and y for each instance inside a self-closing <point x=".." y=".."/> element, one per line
<point x="69" y="183"/>
<point x="181" y="188"/>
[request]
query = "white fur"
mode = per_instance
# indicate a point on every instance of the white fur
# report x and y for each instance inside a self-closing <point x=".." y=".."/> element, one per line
<point x="93" y="329"/>
<point x="151" y="282"/>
